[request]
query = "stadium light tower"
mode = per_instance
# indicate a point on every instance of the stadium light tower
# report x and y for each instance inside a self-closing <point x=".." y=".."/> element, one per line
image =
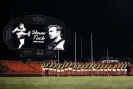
<point x="75" y="50"/>
<point x="91" y="49"/>
<point x="107" y="55"/>
<point x="81" y="45"/>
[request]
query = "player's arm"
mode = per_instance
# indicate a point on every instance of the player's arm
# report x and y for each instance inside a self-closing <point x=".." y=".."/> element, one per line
<point x="14" y="30"/>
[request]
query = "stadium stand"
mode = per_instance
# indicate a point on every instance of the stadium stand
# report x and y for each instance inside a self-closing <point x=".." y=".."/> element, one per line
<point x="84" y="69"/>
<point x="20" y="68"/>
<point x="52" y="68"/>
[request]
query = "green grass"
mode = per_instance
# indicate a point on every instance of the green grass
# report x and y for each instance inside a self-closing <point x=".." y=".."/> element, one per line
<point x="95" y="82"/>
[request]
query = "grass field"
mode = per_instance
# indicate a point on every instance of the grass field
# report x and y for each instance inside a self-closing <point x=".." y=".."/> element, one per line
<point x="95" y="82"/>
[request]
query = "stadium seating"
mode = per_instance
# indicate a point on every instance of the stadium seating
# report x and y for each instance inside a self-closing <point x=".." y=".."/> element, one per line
<point x="64" y="69"/>
<point x="19" y="68"/>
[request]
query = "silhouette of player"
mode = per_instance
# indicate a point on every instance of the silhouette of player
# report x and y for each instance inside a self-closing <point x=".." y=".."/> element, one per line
<point x="20" y="33"/>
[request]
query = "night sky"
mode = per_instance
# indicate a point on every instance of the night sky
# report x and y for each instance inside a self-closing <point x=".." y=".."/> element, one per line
<point x="110" y="22"/>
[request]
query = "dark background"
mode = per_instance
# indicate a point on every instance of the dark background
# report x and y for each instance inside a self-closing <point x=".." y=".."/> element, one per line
<point x="111" y="23"/>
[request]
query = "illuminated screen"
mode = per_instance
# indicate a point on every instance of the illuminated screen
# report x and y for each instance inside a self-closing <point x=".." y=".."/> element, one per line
<point x="35" y="32"/>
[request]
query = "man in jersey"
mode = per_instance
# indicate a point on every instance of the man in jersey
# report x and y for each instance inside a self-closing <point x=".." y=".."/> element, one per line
<point x="54" y="32"/>
<point x="20" y="33"/>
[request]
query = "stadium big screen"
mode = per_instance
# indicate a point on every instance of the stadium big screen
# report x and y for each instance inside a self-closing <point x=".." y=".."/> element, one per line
<point x="35" y="32"/>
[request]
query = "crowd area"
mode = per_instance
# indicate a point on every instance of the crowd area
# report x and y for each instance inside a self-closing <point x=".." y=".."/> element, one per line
<point x="85" y="68"/>
<point x="65" y="68"/>
<point x="85" y="65"/>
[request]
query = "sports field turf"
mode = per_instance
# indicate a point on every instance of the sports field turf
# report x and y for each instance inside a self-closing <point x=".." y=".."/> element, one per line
<point x="95" y="82"/>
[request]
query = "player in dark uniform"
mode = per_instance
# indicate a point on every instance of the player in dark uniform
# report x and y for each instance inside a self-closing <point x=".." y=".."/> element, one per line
<point x="54" y="32"/>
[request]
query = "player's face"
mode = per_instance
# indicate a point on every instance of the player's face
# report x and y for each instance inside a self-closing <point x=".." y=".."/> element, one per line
<point x="53" y="33"/>
<point x="21" y="26"/>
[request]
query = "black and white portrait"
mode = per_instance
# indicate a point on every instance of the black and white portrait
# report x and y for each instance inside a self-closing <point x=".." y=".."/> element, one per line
<point x="55" y="34"/>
